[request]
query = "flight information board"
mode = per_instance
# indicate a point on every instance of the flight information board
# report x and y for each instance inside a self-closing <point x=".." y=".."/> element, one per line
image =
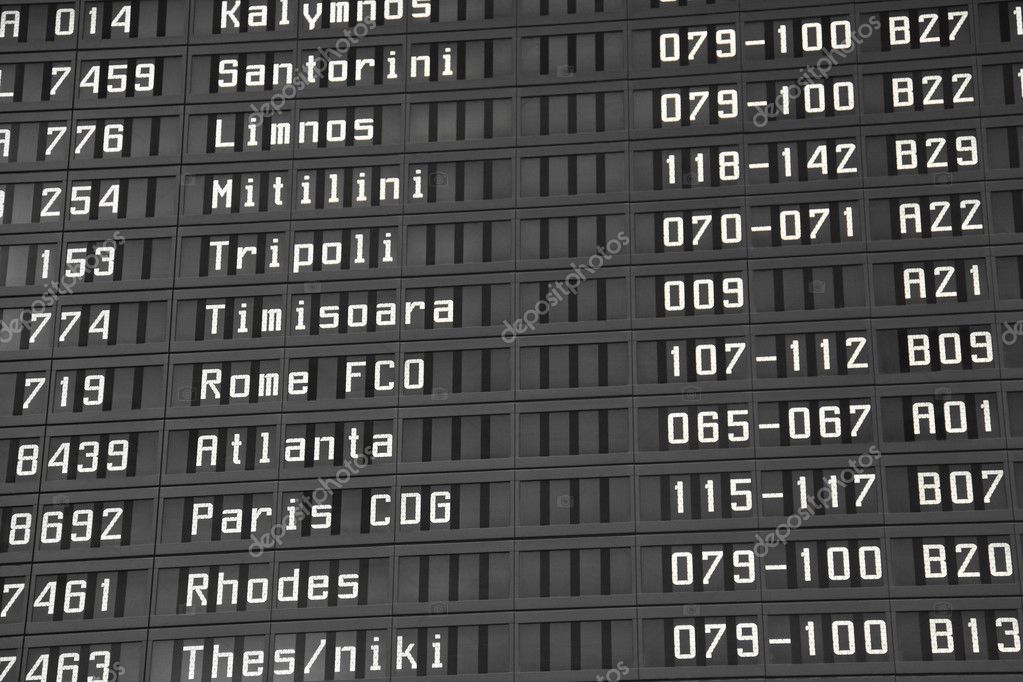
<point x="492" y="340"/>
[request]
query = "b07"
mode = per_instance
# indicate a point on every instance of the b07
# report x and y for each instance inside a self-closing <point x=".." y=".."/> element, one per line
<point x="961" y="487"/>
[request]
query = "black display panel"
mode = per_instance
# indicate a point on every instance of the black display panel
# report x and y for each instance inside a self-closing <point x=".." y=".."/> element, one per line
<point x="541" y="340"/>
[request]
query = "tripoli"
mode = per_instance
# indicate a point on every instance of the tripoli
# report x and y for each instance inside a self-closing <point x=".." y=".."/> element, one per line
<point x="200" y="588"/>
<point x="323" y="251"/>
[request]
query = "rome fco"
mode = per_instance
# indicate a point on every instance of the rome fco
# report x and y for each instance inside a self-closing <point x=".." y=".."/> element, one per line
<point x="214" y="384"/>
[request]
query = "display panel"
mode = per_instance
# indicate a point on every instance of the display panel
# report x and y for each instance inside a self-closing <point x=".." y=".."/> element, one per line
<point x="544" y="340"/>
